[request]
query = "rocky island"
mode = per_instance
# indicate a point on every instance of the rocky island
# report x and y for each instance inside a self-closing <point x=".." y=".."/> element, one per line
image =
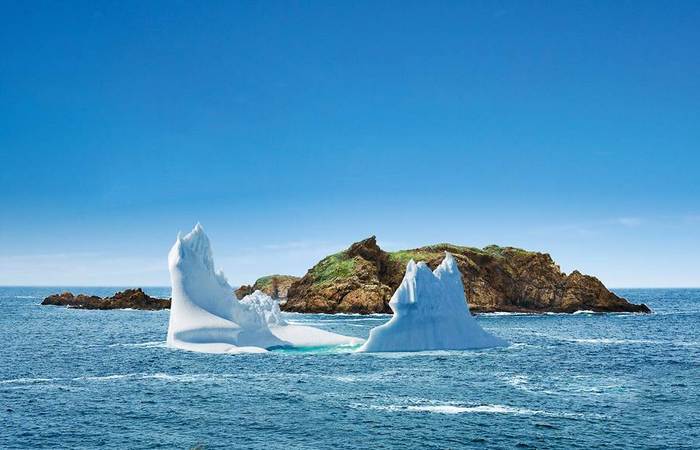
<point x="130" y="298"/>
<point x="363" y="278"/>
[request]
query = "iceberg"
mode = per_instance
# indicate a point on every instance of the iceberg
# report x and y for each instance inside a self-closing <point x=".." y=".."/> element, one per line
<point x="430" y="313"/>
<point x="296" y="335"/>
<point x="206" y="316"/>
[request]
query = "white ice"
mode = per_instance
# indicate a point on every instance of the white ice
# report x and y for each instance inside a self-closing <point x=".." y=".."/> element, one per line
<point x="297" y="335"/>
<point x="430" y="313"/>
<point x="206" y="316"/>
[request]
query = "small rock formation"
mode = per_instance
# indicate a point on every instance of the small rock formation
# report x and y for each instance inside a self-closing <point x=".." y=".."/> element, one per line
<point x="130" y="298"/>
<point x="363" y="278"/>
<point x="276" y="286"/>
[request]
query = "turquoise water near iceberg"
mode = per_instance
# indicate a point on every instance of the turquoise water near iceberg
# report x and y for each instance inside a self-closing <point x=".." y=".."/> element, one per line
<point x="104" y="379"/>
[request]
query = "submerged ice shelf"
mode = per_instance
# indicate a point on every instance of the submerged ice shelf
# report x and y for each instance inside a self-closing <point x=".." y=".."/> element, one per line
<point x="206" y="316"/>
<point x="430" y="313"/>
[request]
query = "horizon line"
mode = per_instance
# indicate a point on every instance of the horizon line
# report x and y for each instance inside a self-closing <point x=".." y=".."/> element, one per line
<point x="236" y="286"/>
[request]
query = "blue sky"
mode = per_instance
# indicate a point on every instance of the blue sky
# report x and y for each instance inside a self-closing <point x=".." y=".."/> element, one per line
<point x="291" y="129"/>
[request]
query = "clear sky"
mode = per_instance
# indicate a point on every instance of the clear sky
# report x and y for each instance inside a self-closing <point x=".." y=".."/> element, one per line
<point x="291" y="129"/>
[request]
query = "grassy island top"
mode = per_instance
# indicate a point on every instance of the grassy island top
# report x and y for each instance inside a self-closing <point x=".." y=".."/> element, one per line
<point x="267" y="280"/>
<point x="341" y="265"/>
<point x="431" y="252"/>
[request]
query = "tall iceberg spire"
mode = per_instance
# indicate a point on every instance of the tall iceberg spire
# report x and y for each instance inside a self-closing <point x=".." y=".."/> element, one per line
<point x="430" y="313"/>
<point x="206" y="316"/>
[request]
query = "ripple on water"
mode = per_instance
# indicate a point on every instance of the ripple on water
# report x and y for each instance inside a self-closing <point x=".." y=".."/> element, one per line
<point x="566" y="381"/>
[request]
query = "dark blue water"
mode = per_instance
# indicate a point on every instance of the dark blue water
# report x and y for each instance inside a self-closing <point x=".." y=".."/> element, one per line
<point x="103" y="379"/>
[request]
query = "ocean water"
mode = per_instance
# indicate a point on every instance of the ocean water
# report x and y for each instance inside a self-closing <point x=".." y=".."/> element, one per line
<point x="104" y="379"/>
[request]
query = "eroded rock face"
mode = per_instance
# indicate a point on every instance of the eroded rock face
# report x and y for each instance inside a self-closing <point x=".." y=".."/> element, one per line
<point x="276" y="286"/>
<point x="362" y="279"/>
<point x="354" y="281"/>
<point x="130" y="298"/>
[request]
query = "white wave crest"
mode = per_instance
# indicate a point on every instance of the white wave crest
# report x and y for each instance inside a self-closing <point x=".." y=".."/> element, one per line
<point x="28" y="380"/>
<point x="117" y="376"/>
<point x="153" y="344"/>
<point x="448" y="408"/>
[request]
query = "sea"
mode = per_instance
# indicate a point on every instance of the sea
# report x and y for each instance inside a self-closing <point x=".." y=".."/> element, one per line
<point x="81" y="379"/>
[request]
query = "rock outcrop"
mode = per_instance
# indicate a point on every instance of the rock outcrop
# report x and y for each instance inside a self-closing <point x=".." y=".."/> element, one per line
<point x="276" y="286"/>
<point x="130" y="298"/>
<point x="362" y="279"/>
